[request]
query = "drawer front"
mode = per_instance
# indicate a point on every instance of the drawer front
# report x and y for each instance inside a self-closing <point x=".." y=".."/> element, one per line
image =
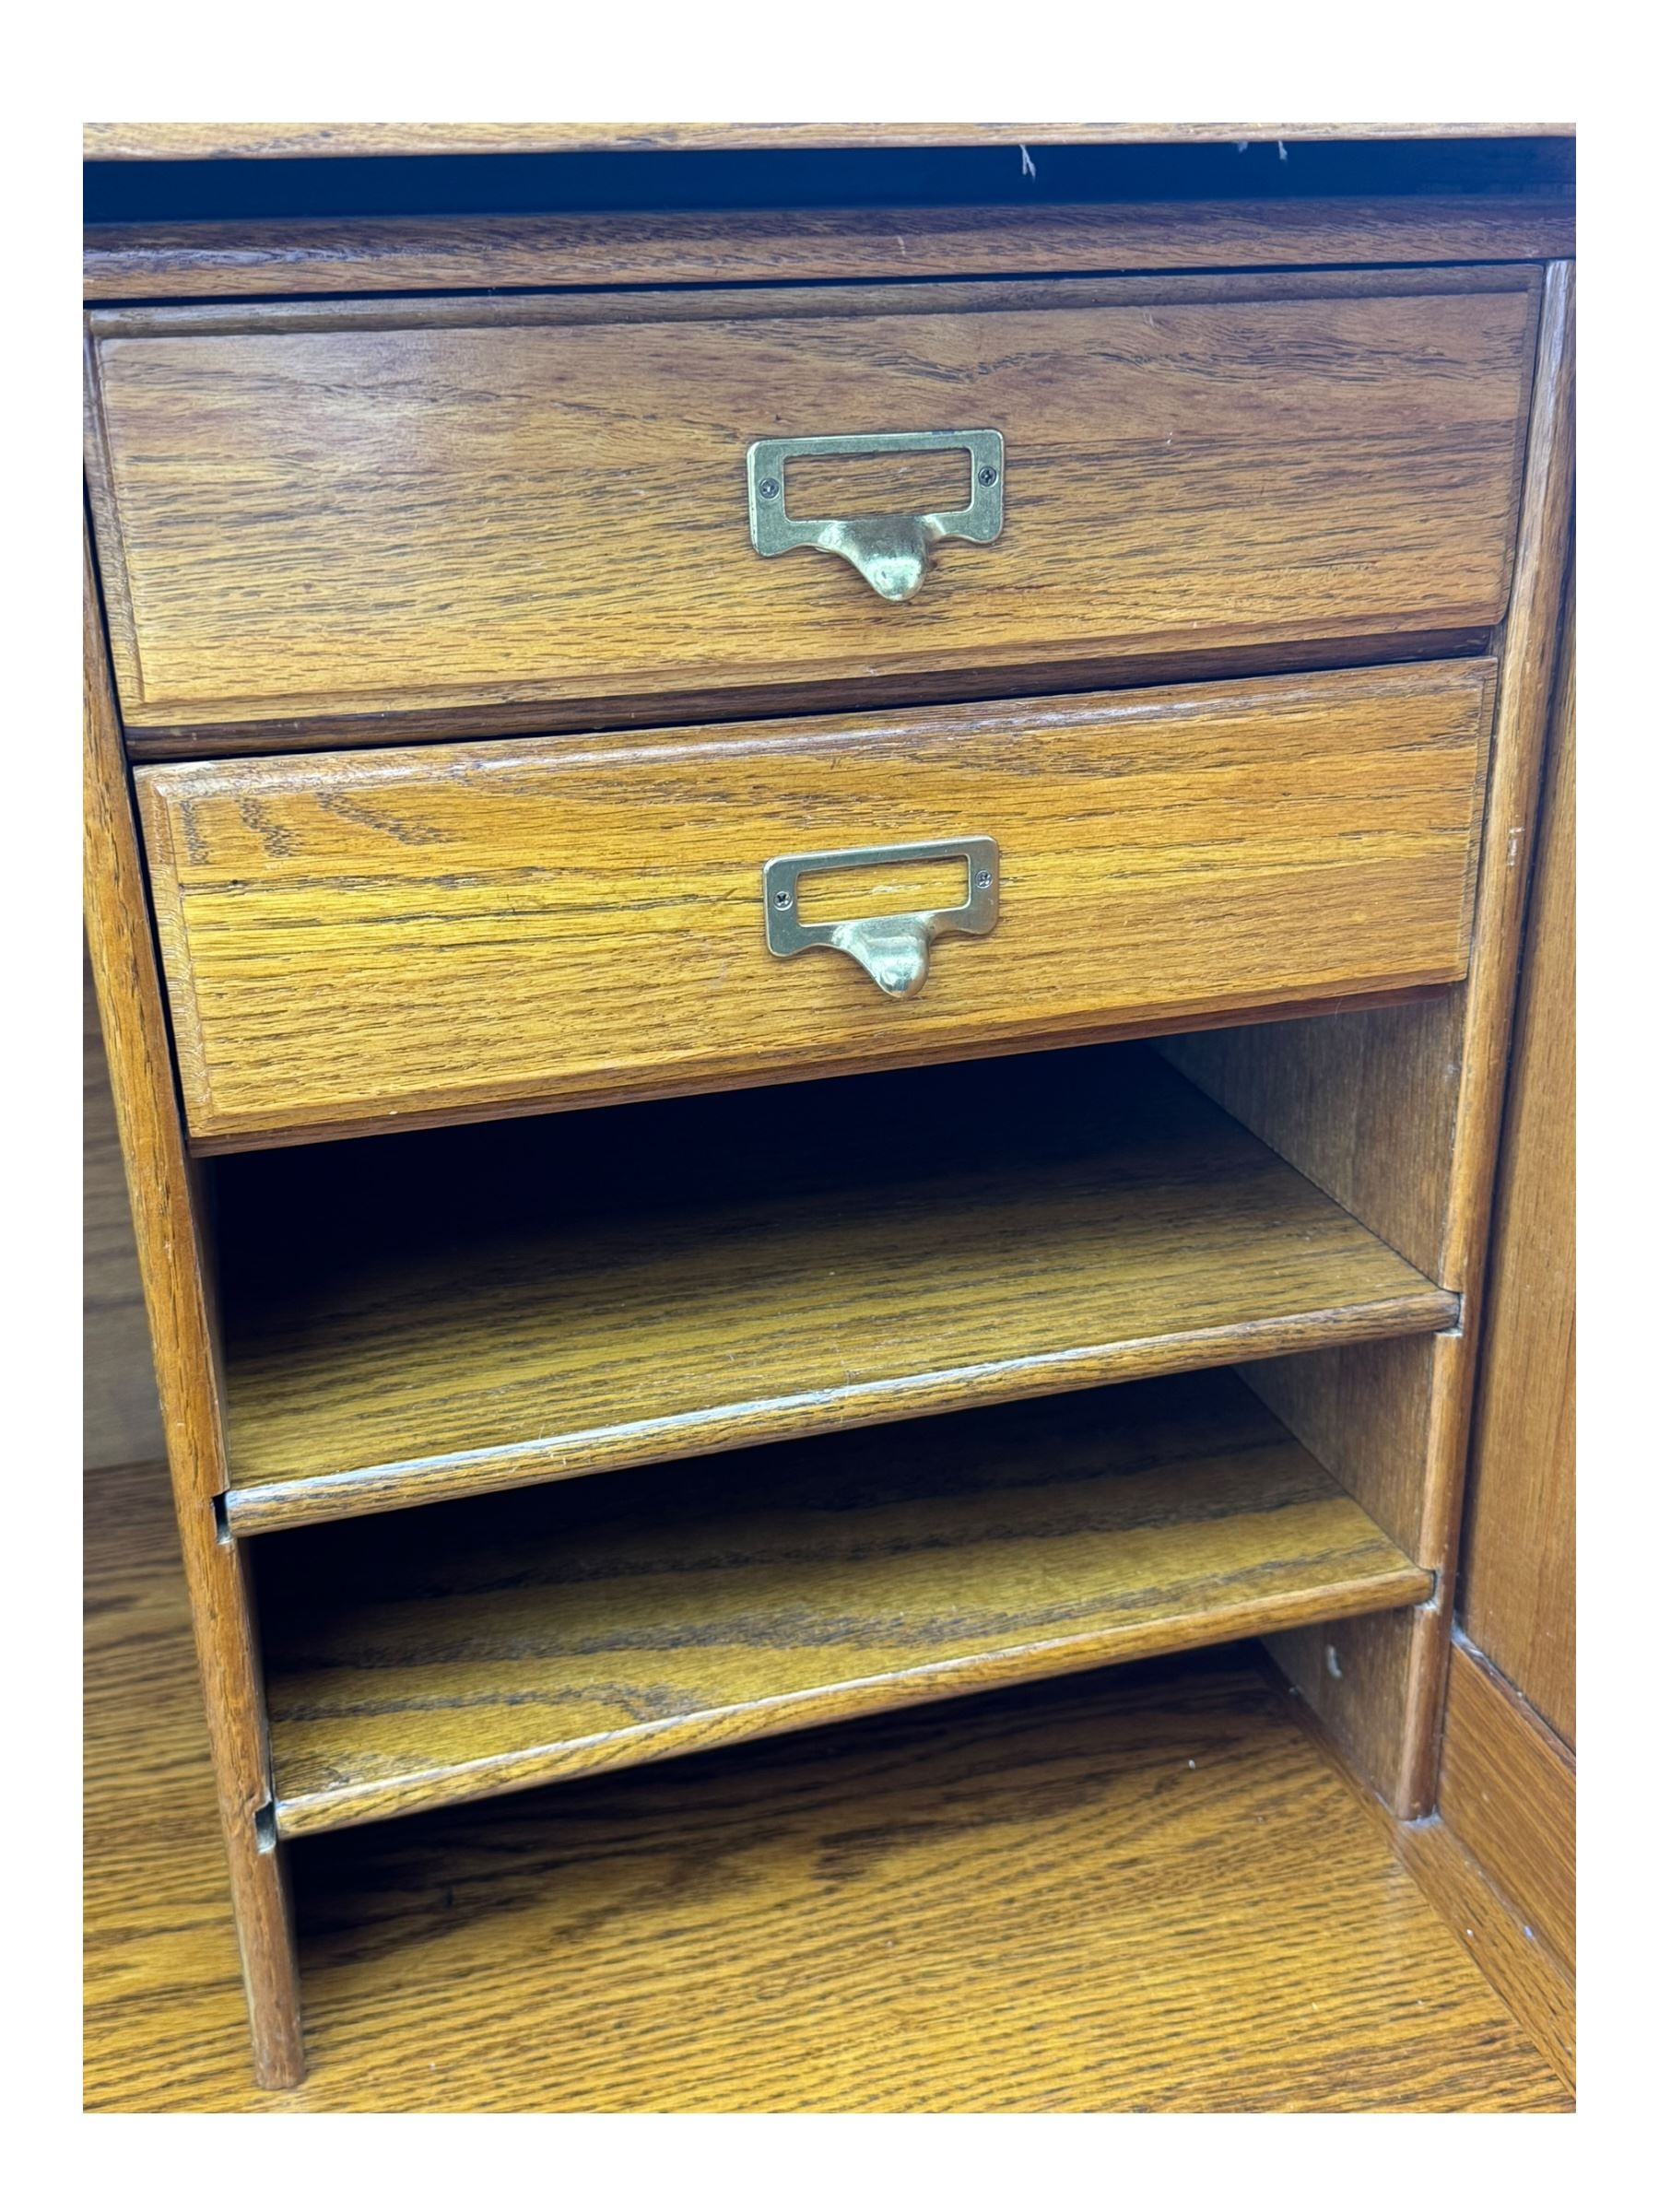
<point x="438" y="932"/>
<point x="536" y="514"/>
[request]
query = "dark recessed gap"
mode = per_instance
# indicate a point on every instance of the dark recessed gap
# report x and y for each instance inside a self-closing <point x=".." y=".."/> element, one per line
<point x="783" y="178"/>
<point x="620" y="718"/>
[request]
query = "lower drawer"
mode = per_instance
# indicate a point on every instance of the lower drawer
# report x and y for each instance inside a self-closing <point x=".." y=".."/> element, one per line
<point x="438" y="932"/>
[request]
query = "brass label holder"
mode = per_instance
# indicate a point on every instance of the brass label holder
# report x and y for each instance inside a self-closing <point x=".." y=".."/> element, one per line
<point x="889" y="551"/>
<point x="893" y="949"/>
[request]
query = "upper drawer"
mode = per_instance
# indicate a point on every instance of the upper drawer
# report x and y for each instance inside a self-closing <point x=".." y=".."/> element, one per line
<point x="479" y="515"/>
<point x="445" y="931"/>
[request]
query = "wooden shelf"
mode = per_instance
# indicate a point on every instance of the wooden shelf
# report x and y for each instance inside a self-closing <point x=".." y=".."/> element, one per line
<point x="497" y="1643"/>
<point x="432" y="1316"/>
<point x="1141" y="1888"/>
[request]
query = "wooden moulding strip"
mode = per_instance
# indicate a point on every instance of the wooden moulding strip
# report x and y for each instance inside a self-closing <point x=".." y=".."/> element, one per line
<point x="598" y="305"/>
<point x="306" y="255"/>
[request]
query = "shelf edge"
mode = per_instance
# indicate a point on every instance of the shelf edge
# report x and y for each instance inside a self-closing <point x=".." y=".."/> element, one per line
<point x="301" y="1501"/>
<point x="650" y="1741"/>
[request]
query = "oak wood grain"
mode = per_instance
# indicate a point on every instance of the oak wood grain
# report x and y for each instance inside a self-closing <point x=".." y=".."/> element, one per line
<point x="1416" y="1640"/>
<point x="1365" y="1411"/>
<point x="476" y="1648"/>
<point x="168" y="1223"/>
<point x="1370" y="1414"/>
<point x="568" y="310"/>
<point x="419" y="1317"/>
<point x="1396" y="1444"/>
<point x="1526" y="1973"/>
<point x="1364" y="1107"/>
<point x="846" y="693"/>
<point x="1517" y="1596"/>
<point x="1434" y="1094"/>
<point x="1530" y="651"/>
<point x="1524" y="1970"/>
<point x="577" y="921"/>
<point x="287" y="141"/>
<point x="1144" y="1888"/>
<point x="311" y="514"/>
<point x="1528" y="661"/>
<point x="365" y="254"/>
<point x="1508" y="1789"/>
<point x="121" y="1422"/>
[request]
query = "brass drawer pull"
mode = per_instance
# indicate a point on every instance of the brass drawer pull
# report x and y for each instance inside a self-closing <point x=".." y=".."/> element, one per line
<point x="889" y="551"/>
<point x="892" y="948"/>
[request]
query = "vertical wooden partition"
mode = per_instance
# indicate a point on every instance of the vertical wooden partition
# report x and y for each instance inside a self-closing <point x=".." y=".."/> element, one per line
<point x="1396" y="1113"/>
<point x="163" y="1189"/>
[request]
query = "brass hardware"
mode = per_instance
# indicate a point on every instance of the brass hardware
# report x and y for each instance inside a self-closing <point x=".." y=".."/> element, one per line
<point x="892" y="948"/>
<point x="889" y="551"/>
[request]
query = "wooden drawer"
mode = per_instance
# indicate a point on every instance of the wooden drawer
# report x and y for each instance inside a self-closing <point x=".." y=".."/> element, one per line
<point x="377" y="519"/>
<point x="445" y="931"/>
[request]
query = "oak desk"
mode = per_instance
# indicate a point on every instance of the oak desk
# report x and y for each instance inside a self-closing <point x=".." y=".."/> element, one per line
<point x="852" y="869"/>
